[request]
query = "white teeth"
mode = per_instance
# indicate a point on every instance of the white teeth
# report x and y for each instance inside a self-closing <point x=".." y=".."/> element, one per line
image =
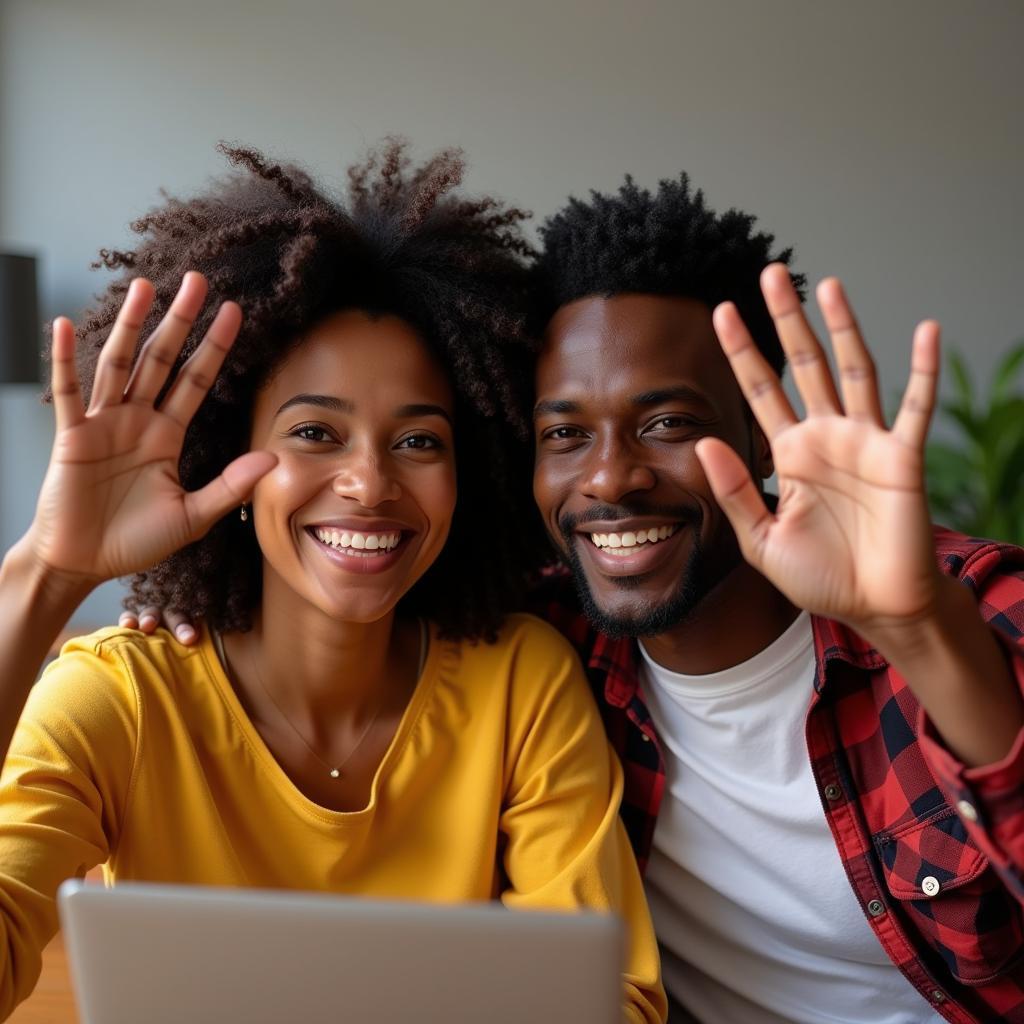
<point x="619" y="543"/>
<point x="351" y="540"/>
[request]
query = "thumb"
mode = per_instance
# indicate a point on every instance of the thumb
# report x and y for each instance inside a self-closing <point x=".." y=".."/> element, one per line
<point x="734" y="490"/>
<point x="205" y="506"/>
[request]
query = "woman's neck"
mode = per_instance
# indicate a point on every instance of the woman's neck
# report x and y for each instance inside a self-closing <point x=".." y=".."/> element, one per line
<point x="318" y="670"/>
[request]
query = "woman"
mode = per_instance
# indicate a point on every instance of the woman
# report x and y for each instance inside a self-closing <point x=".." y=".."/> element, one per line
<point x="359" y="714"/>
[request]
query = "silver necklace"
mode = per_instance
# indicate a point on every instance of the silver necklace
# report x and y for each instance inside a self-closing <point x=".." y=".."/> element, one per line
<point x="334" y="771"/>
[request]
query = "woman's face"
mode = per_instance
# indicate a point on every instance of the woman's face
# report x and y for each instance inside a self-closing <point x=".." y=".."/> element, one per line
<point x="360" y="503"/>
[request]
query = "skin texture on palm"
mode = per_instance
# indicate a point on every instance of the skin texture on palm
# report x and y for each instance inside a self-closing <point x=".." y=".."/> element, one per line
<point x="850" y="538"/>
<point x="121" y="455"/>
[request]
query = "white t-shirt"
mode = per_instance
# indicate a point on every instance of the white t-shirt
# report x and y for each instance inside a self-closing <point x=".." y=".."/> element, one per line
<point x="755" y="915"/>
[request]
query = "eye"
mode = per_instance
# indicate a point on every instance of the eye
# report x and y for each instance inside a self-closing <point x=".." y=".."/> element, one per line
<point x="563" y="438"/>
<point x="562" y="433"/>
<point x="674" y="424"/>
<point x="420" y="442"/>
<point x="310" y="432"/>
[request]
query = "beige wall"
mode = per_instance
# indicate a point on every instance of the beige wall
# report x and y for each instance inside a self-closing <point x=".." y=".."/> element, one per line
<point x="882" y="139"/>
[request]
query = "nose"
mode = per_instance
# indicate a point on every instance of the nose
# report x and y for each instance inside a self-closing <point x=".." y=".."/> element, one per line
<point x="366" y="478"/>
<point x="614" y="470"/>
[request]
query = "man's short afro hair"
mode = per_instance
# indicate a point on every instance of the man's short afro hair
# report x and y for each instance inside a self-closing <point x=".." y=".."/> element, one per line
<point x="664" y="243"/>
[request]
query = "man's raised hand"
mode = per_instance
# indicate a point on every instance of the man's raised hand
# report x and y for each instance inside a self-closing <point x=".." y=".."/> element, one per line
<point x="850" y="538"/>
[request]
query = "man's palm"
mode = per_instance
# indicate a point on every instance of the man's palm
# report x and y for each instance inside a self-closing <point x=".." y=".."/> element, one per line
<point x="850" y="537"/>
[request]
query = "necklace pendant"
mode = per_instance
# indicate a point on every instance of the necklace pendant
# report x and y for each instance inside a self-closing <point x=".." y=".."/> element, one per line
<point x="335" y="773"/>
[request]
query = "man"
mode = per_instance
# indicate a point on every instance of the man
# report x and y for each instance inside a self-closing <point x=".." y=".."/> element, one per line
<point x="818" y="707"/>
<point x="822" y="718"/>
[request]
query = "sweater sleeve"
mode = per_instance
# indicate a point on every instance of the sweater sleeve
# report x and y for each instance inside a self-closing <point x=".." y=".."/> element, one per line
<point x="566" y="846"/>
<point x="62" y="793"/>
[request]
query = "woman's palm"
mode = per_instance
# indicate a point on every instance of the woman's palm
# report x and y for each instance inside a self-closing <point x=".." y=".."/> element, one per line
<point x="111" y="502"/>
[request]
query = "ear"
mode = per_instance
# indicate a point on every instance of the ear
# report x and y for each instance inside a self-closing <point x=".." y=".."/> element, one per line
<point x="763" y="465"/>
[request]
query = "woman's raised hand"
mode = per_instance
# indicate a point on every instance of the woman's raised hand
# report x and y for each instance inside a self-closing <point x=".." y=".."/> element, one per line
<point x="111" y="502"/>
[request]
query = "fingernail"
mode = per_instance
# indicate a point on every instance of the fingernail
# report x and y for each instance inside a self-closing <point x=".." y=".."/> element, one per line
<point x="185" y="633"/>
<point x="147" y="621"/>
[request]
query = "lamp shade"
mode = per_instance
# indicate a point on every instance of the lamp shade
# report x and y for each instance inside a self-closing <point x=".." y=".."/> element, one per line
<point x="19" y="320"/>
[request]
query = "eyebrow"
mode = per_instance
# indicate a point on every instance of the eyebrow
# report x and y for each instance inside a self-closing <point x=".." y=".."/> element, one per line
<point x="346" y="405"/>
<point x="422" y="409"/>
<point x="554" y="405"/>
<point x="679" y="392"/>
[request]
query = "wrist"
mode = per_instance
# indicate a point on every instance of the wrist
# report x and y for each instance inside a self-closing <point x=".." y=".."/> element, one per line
<point x="913" y="637"/>
<point x="46" y="590"/>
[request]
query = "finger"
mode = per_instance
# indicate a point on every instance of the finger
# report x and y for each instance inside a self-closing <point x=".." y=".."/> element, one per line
<point x="857" y="375"/>
<point x="205" y="506"/>
<point x="759" y="383"/>
<point x="914" y="416"/>
<point x="128" y="620"/>
<point x="734" y="490"/>
<point x="201" y="369"/>
<point x="161" y="350"/>
<point x="181" y="626"/>
<point x="811" y="371"/>
<point x="149" y="618"/>
<point x="67" y="396"/>
<point x="115" y="360"/>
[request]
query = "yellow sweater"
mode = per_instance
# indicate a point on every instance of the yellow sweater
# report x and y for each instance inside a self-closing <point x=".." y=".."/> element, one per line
<point x="134" y="752"/>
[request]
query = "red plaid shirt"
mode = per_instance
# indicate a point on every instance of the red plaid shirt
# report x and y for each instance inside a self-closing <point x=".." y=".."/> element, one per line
<point x="900" y="806"/>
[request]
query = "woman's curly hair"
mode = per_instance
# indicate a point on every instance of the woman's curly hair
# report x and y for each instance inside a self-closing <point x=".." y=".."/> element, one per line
<point x="404" y="243"/>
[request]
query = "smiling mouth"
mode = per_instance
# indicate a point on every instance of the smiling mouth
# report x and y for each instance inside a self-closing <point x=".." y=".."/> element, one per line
<point x="627" y="542"/>
<point x="357" y="543"/>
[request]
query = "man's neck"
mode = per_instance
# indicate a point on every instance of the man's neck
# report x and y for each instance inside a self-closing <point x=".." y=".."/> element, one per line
<point x="734" y="621"/>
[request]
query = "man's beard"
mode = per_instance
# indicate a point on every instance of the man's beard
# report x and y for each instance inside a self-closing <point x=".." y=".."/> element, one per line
<point x="655" y="618"/>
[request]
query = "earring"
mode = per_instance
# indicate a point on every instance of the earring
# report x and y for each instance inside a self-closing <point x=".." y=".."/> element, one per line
<point x="244" y="514"/>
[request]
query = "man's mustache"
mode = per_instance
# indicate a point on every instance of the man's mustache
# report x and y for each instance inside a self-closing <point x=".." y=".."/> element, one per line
<point x="571" y="521"/>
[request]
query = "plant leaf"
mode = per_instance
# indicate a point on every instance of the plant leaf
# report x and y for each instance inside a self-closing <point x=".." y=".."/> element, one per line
<point x="1006" y="371"/>
<point x="963" y="385"/>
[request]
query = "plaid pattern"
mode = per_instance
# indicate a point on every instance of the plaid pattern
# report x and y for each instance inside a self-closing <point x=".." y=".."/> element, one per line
<point x="934" y="850"/>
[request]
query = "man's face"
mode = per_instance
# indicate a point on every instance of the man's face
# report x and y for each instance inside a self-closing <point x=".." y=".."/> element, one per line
<point x="626" y="386"/>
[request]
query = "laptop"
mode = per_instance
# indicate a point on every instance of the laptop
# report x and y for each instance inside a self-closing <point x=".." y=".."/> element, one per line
<point x="168" y="954"/>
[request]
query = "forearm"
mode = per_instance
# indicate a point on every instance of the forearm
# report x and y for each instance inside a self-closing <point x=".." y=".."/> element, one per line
<point x="35" y="604"/>
<point x="959" y="673"/>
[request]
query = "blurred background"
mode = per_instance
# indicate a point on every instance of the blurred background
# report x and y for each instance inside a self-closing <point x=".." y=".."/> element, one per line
<point x="884" y="141"/>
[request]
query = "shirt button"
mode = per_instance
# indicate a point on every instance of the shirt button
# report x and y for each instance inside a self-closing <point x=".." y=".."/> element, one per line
<point x="876" y="908"/>
<point x="930" y="886"/>
<point x="967" y="811"/>
<point x="938" y="996"/>
<point x="645" y="737"/>
<point x="832" y="792"/>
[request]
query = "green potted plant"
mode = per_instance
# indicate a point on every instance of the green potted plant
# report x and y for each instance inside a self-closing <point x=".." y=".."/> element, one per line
<point x="976" y="479"/>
